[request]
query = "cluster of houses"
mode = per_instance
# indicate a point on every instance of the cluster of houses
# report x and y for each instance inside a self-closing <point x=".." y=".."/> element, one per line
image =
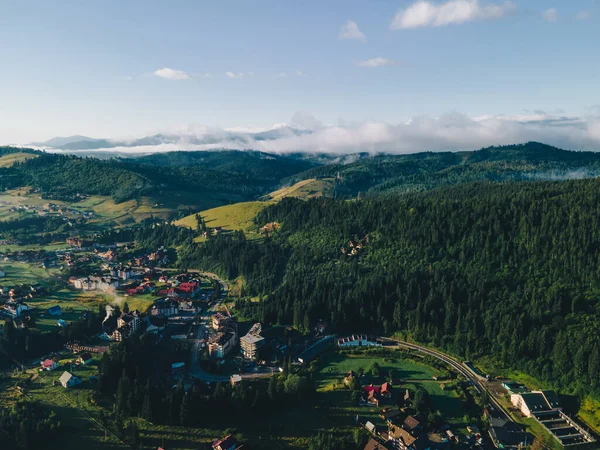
<point x="94" y="283"/>
<point x="355" y="246"/>
<point x="127" y="324"/>
<point x="13" y="299"/>
<point x="224" y="336"/>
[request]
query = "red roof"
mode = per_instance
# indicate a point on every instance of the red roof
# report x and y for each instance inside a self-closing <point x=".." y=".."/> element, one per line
<point x="372" y="388"/>
<point x="47" y="363"/>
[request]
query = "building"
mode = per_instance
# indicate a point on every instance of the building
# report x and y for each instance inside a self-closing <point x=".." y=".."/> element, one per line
<point x="358" y="340"/>
<point x="85" y="358"/>
<point x="125" y="273"/>
<point x="532" y="403"/>
<point x="178" y="370"/>
<point x="250" y="344"/>
<point x="235" y="379"/>
<point x="227" y="443"/>
<point x="374" y="445"/>
<point x="93" y="283"/>
<point x="2" y="274"/>
<point x="49" y="364"/>
<point x="61" y="323"/>
<point x="220" y="344"/>
<point x="165" y="308"/>
<point x="55" y="310"/>
<point x="219" y="320"/>
<point x="132" y="319"/>
<point x="69" y="380"/>
<point x="371" y="427"/>
<point x="514" y="388"/>
<point x="401" y="439"/>
<point x="508" y="435"/>
<point x="411" y="424"/>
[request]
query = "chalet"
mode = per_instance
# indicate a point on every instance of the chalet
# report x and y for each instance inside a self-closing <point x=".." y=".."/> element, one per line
<point x="227" y="443"/>
<point x="401" y="439"/>
<point x="49" y="365"/>
<point x="84" y="358"/>
<point x="54" y="310"/>
<point x="411" y="424"/>
<point x="69" y="380"/>
<point x="371" y="395"/>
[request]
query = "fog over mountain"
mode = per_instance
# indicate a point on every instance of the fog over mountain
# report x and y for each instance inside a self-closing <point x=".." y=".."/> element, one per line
<point x="451" y="131"/>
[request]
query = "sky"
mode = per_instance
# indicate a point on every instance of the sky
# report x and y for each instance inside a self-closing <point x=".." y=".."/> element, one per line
<point x="407" y="75"/>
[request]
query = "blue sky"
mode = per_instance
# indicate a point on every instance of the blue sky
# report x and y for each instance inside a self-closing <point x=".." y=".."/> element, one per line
<point x="72" y="67"/>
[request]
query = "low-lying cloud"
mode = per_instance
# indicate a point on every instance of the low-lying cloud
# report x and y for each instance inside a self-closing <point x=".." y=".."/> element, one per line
<point x="449" y="132"/>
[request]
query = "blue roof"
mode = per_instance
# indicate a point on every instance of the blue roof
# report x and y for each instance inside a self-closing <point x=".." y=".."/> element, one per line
<point x="54" y="308"/>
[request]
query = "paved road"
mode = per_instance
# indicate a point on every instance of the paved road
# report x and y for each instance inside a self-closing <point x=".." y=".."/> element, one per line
<point x="477" y="381"/>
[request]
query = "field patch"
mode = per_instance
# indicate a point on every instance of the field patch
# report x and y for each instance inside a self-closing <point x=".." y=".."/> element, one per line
<point x="305" y="189"/>
<point x="12" y="158"/>
<point x="238" y="216"/>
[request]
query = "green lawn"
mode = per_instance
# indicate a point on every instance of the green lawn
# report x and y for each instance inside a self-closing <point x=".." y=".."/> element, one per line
<point x="23" y="273"/>
<point x="305" y="189"/>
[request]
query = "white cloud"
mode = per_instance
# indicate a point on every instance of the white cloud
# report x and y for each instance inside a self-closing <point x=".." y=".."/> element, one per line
<point x="350" y="30"/>
<point x="426" y="13"/>
<point x="375" y="62"/>
<point x="171" y="74"/>
<point x="297" y="73"/>
<point x="238" y="75"/>
<point x="550" y="15"/>
<point x="583" y="15"/>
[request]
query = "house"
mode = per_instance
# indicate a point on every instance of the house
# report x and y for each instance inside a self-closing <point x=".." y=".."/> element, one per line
<point x="121" y="333"/>
<point x="235" y="379"/>
<point x="49" y="364"/>
<point x="508" y="435"/>
<point x="54" y="310"/>
<point x="374" y="445"/>
<point x="124" y="273"/>
<point x="2" y="274"/>
<point x="411" y="424"/>
<point x="389" y="414"/>
<point x="371" y="395"/>
<point x="407" y="398"/>
<point x="61" y="323"/>
<point x="401" y="439"/>
<point x="165" y="308"/>
<point x="227" y="443"/>
<point x="386" y="390"/>
<point x="370" y="427"/>
<point x="69" y="380"/>
<point x="84" y="358"/>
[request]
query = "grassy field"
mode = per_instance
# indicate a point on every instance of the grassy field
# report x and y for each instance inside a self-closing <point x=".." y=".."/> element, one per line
<point x="71" y="405"/>
<point x="23" y="273"/>
<point x="10" y="159"/>
<point x="238" y="216"/>
<point x="305" y="189"/>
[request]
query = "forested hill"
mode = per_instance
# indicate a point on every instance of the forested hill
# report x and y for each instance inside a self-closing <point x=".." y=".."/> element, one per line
<point x="384" y="174"/>
<point x="232" y="175"/>
<point x="502" y="269"/>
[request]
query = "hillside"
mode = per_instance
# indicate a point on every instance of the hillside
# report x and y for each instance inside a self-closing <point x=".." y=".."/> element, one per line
<point x="502" y="270"/>
<point x="239" y="216"/>
<point x="305" y="189"/>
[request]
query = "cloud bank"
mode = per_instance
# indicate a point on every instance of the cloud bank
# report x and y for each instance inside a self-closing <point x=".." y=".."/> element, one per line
<point x="428" y="14"/>
<point x="375" y="62"/>
<point x="449" y="132"/>
<point x="550" y="15"/>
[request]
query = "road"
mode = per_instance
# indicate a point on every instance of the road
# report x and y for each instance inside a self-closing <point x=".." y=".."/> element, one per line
<point x="478" y="382"/>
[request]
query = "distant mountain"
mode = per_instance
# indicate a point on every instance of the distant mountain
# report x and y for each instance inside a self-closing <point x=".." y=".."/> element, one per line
<point x="59" y="142"/>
